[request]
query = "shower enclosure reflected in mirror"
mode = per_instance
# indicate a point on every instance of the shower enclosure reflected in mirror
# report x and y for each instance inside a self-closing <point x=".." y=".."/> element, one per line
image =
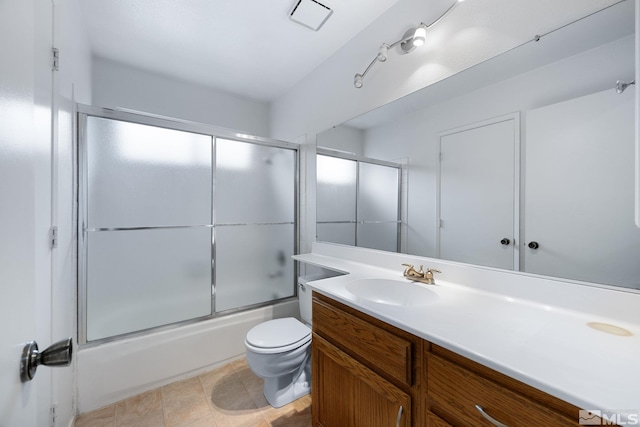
<point x="523" y="162"/>
<point x="358" y="200"/>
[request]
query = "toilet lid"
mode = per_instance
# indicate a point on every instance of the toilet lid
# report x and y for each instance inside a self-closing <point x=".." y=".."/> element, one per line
<point x="278" y="333"/>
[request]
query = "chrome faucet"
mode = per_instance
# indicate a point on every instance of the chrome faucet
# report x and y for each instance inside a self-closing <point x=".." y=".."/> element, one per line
<point x="420" y="276"/>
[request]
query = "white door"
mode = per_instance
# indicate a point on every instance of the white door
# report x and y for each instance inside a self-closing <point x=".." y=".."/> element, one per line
<point x="25" y="120"/>
<point x="478" y="193"/>
<point x="579" y="190"/>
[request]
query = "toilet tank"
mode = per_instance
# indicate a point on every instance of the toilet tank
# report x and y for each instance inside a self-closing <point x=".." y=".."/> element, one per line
<point x="304" y="292"/>
<point x="304" y="297"/>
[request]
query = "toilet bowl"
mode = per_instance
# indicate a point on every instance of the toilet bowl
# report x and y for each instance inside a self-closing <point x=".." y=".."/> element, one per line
<point x="279" y="351"/>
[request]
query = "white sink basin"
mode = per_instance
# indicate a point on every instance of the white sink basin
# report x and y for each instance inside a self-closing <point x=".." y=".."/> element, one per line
<point x="391" y="292"/>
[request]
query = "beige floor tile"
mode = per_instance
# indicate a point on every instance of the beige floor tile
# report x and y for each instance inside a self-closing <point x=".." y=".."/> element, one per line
<point x="144" y="405"/>
<point x="230" y="396"/>
<point x="202" y="422"/>
<point x="103" y="417"/>
<point x="292" y="419"/>
<point x="181" y="389"/>
<point x="240" y="364"/>
<point x="212" y="378"/>
<point x="181" y="411"/>
<point x="151" y="420"/>
<point x="254" y="386"/>
<point x="297" y="413"/>
<point x="239" y="419"/>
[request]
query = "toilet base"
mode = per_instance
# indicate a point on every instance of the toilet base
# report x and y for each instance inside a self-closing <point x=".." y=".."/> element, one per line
<point x="280" y="391"/>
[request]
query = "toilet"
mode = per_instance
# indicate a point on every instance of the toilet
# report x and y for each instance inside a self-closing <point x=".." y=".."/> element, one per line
<point x="279" y="351"/>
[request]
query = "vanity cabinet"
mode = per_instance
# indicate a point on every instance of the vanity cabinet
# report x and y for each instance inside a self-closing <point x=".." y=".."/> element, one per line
<point x="365" y="372"/>
<point x="460" y="391"/>
<point x="368" y="373"/>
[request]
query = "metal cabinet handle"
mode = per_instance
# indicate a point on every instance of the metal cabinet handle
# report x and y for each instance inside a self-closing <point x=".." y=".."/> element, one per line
<point x="505" y="241"/>
<point x="489" y="417"/>
<point x="533" y="245"/>
<point x="57" y="354"/>
<point x="400" y="411"/>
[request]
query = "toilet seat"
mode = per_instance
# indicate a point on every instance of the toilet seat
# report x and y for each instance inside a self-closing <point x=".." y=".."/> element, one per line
<point x="278" y="336"/>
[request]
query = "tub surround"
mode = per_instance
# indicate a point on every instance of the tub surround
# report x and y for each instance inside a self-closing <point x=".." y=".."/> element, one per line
<point x="531" y="328"/>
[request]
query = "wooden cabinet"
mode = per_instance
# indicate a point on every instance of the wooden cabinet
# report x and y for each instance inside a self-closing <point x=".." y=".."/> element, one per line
<point x="350" y="394"/>
<point x="461" y="390"/>
<point x="365" y="372"/>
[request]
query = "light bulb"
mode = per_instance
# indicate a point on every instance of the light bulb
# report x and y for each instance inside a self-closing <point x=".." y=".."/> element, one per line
<point x="357" y="81"/>
<point x="419" y="36"/>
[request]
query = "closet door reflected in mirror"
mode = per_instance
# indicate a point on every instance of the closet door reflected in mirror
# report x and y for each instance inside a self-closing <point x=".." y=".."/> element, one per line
<point x="479" y="193"/>
<point x="579" y="190"/>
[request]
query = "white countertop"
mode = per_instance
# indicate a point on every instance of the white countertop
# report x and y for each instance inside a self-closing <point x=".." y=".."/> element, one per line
<point x="547" y="346"/>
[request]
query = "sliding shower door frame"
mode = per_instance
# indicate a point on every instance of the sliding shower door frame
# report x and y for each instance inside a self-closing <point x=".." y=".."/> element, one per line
<point x="358" y="160"/>
<point x="82" y="112"/>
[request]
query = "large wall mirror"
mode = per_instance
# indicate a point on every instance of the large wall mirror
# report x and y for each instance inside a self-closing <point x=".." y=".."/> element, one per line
<point x="524" y="162"/>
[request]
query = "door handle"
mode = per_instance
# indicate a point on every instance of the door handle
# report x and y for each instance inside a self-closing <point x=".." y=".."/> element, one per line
<point x="489" y="417"/>
<point x="57" y="354"/>
<point x="505" y="242"/>
<point x="399" y="418"/>
<point x="533" y="245"/>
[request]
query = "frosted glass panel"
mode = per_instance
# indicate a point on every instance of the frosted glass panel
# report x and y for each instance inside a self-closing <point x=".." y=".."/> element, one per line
<point x="378" y="193"/>
<point x="145" y="278"/>
<point x="145" y="176"/>
<point x="335" y="189"/>
<point x="254" y="183"/>
<point x="336" y="233"/>
<point x="253" y="264"/>
<point x="378" y="236"/>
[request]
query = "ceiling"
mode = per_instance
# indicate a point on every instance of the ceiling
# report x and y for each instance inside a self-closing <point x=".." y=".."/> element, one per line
<point x="249" y="47"/>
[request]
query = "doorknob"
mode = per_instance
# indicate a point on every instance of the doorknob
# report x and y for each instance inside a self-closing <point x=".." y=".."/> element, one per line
<point x="505" y="241"/>
<point x="533" y="245"/>
<point x="57" y="354"/>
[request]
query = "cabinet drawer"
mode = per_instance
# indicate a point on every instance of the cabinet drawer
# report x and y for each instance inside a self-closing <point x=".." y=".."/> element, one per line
<point x="382" y="350"/>
<point x="435" y="421"/>
<point x="454" y="392"/>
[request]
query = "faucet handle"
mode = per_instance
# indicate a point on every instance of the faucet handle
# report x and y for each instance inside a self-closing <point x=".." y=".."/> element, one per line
<point x="409" y="268"/>
<point x="428" y="275"/>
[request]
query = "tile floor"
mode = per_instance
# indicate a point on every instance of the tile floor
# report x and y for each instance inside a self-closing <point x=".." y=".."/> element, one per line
<point x="230" y="396"/>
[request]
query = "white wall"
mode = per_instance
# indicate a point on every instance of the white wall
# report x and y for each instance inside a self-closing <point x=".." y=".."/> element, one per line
<point x="416" y="135"/>
<point x="119" y="85"/>
<point x="345" y="138"/>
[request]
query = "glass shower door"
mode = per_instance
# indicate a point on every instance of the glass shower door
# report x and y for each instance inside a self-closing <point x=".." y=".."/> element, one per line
<point x="336" y="193"/>
<point x="378" y="206"/>
<point x="146" y="226"/>
<point x="255" y="187"/>
<point x="358" y="202"/>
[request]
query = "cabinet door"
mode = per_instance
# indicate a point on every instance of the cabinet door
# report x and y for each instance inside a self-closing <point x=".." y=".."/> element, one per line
<point x="348" y="394"/>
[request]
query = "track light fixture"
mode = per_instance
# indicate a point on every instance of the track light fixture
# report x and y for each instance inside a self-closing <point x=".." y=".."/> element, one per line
<point x="413" y="38"/>
<point x="620" y="85"/>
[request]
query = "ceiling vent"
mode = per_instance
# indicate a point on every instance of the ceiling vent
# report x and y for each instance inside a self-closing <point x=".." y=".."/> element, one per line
<point x="310" y="13"/>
